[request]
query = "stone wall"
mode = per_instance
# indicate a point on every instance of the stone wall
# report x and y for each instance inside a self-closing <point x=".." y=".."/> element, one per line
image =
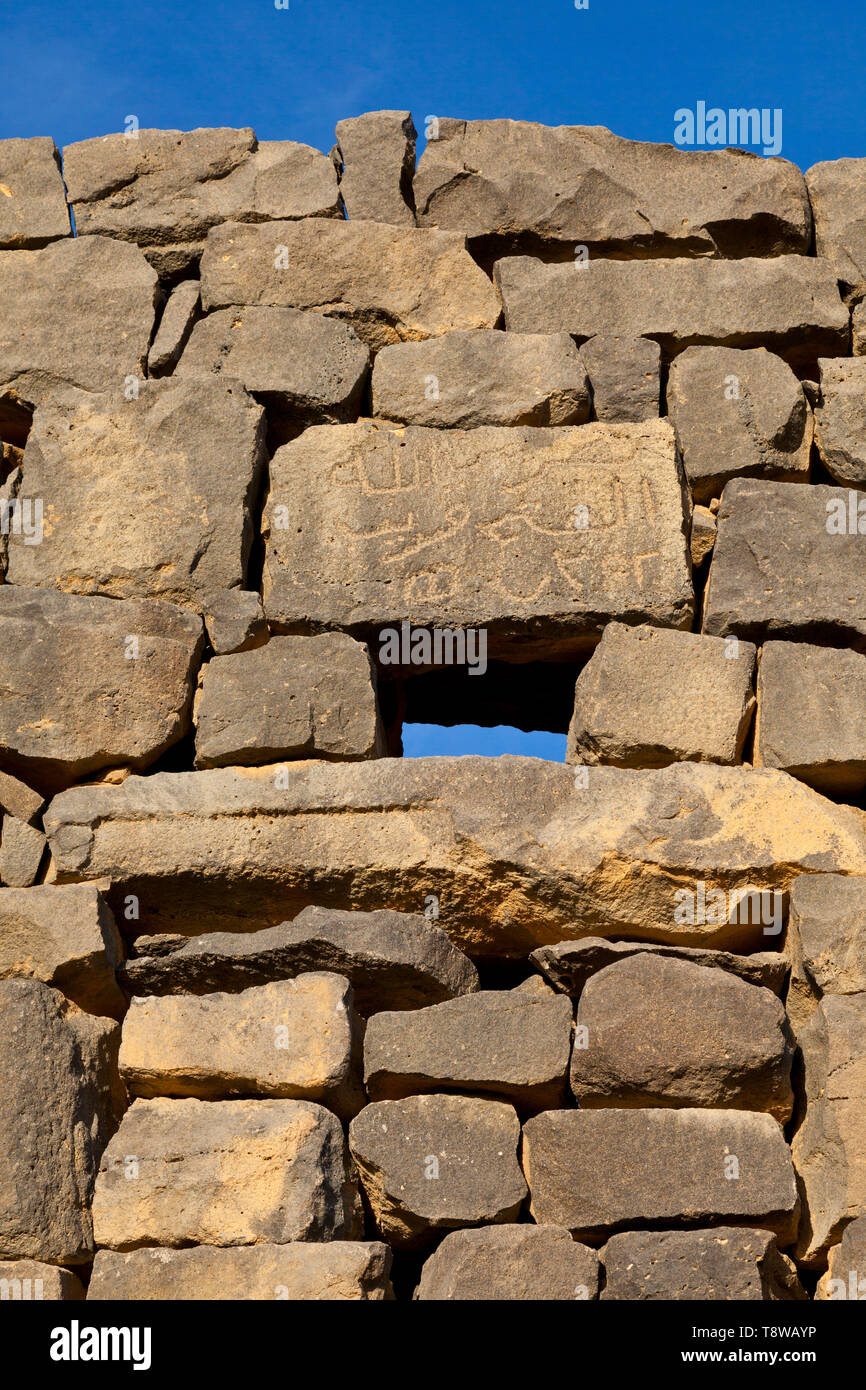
<point x="557" y="430"/>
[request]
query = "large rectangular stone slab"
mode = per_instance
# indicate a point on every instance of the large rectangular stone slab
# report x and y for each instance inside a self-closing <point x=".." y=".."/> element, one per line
<point x="33" y="207"/>
<point x="371" y="524"/>
<point x="717" y="1265"/>
<point x="811" y="717"/>
<point x="64" y="935"/>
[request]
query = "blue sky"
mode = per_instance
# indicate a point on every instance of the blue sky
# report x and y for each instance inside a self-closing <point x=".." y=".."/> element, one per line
<point x="74" y="71"/>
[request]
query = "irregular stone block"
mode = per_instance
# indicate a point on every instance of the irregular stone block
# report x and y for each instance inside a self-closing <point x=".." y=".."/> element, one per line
<point x="840" y="420"/>
<point x="175" y="326"/>
<point x="170" y="514"/>
<point x="600" y="1171"/>
<point x="433" y="1163"/>
<point x="59" y="1101"/>
<point x="19" y="800"/>
<point x="389" y="283"/>
<point x="568" y="965"/>
<point x="21" y="849"/>
<point x="738" y="413"/>
<point x="703" y="535"/>
<point x="84" y="315"/>
<point x="235" y="621"/>
<point x="482" y="378"/>
<point x="788" y="304"/>
<point x="787" y="563"/>
<point x="858" y="330"/>
<point x="62" y="717"/>
<point x="825" y="942"/>
<point x="389" y="523"/>
<point x="516" y="182"/>
<point x="394" y="960"/>
<point x="845" y="1277"/>
<point x="829" y="1148"/>
<point x="292" y="1038"/>
<point x="553" y="856"/>
<point x="376" y="161"/>
<point x="65" y="936"/>
<point x="656" y="1031"/>
<point x="241" y="1172"/>
<point x="516" y="1263"/>
<point x="33" y="207"/>
<point x="506" y="1042"/>
<point x="811" y="717"/>
<point x="339" y="1270"/>
<point x="28" y="1280"/>
<point x="724" y="1263"/>
<point x="296" y="697"/>
<point x="649" y="696"/>
<point x="177" y="184"/>
<point x="625" y="377"/>
<point x="836" y="191"/>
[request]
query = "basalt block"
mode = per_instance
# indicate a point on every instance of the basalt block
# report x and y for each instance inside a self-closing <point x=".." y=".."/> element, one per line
<point x="825" y="942"/>
<point x="513" y="1263"/>
<point x="65" y="936"/>
<point x="33" y="207"/>
<point x="720" y="1264"/>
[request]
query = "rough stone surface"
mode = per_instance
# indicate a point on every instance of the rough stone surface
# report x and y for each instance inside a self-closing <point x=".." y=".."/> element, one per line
<point x="240" y="1172"/>
<point x="482" y="378"/>
<point x="433" y="1163"/>
<point x="165" y="189"/>
<point x="840" y="420"/>
<point x="391" y="523"/>
<point x="28" y="1280"/>
<point x="21" y="849"/>
<point x="339" y="1270"/>
<point x="65" y="936"/>
<point x="656" y="1031"/>
<point x="845" y="1277"/>
<point x="515" y="1263"/>
<point x="720" y="1264"/>
<point x="624" y="374"/>
<point x="175" y="326"/>
<point x="394" y="960"/>
<point x="32" y="199"/>
<point x="235" y="621"/>
<point x="505" y="1042"/>
<point x="650" y="696"/>
<point x="515" y="181"/>
<point x="519" y="855"/>
<point x="62" y="717"/>
<point x="169" y="514"/>
<point x="703" y="535"/>
<point x="391" y="284"/>
<point x="858" y="330"/>
<point x="597" y="1172"/>
<point x="811" y="717"/>
<point x="788" y="304"/>
<point x="568" y="965"/>
<point x="836" y="191"/>
<point x="376" y="161"/>
<point x="826" y="942"/>
<point x="782" y="567"/>
<point x="738" y="413"/>
<point x="19" y="800"/>
<point x="59" y="1101"/>
<point x="296" y="697"/>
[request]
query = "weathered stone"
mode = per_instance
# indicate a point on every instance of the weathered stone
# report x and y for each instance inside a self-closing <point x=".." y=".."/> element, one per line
<point x="296" y="697"/>
<point x="829" y="1148"/>
<point x="59" y="1101"/>
<point x="521" y="183"/>
<point x="304" y="367"/>
<point x="738" y="413"/>
<point x="516" y="1263"/>
<point x="858" y="330"/>
<point x="600" y="1171"/>
<point x="482" y="378"/>
<point x="169" y="514"/>
<point x="433" y="1163"/>
<point x="846" y="1266"/>
<point x="703" y="535"/>
<point x="519" y="852"/>
<point x="235" y="621"/>
<point x="337" y="1270"/>
<point x="66" y="937"/>
<point x="292" y="1038"/>
<point x="21" y="849"/>
<point x="391" y="523"/>
<point x="33" y="207"/>
<point x="650" y="696"/>
<point x="394" y="960"/>
<point x="789" y="304"/>
<point x="177" y="184"/>
<point x="811" y="717"/>
<point x="724" y="1263"/>
<point x="624" y="375"/>
<point x="84" y="310"/>
<point x="241" y="1172"/>
<point x="389" y="283"/>
<point x="19" y="800"/>
<point x="656" y="1031"/>
<point x="505" y="1042"/>
<point x="840" y="420"/>
<point x="376" y="163"/>
<point x="175" y="326"/>
<point x="826" y="942"/>
<point x="27" y="1280"/>
<point x="788" y="563"/>
<point x="62" y="717"/>
<point x="568" y="965"/>
<point x="836" y="191"/>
